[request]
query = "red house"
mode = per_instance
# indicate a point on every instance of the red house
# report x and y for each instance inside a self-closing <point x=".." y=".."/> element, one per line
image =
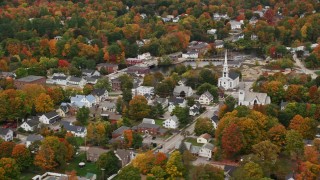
<point x="110" y="68"/>
<point x="133" y="61"/>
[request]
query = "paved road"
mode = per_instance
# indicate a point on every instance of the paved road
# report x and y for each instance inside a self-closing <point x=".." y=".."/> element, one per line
<point x="170" y="145"/>
<point x="303" y="68"/>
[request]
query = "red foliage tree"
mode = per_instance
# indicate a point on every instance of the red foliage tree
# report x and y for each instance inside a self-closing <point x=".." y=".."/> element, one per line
<point x="63" y="63"/>
<point x="231" y="140"/>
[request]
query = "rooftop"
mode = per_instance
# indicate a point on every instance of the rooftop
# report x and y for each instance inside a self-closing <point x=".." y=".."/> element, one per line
<point x="30" y="78"/>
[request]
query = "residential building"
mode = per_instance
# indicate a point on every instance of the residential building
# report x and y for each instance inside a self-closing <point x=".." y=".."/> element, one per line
<point x="8" y="75"/>
<point x="215" y="121"/>
<point x="111" y="116"/>
<point x="228" y="80"/>
<point x="237" y="37"/>
<point x="100" y="94"/>
<point x="171" y="123"/>
<point x="175" y="56"/>
<point x="236" y="25"/>
<point x="49" y="118"/>
<point x="119" y="132"/>
<point x="248" y="98"/>
<point x="191" y="55"/>
<point x="77" y="131"/>
<point x="125" y="156"/>
<point x="93" y="153"/>
<point x="206" y="150"/>
<point x="33" y="138"/>
<point x="91" y="80"/>
<point x="147" y="128"/>
<point x="219" y="44"/>
<point x="145" y="56"/>
<point x="218" y="17"/>
<point x="108" y="106"/>
<point x="195" y="109"/>
<point x="133" y="61"/>
<point x="212" y="31"/>
<point x="30" y="124"/>
<point x="142" y="90"/>
<point x="64" y="109"/>
<point x="198" y="46"/>
<point x="116" y="84"/>
<point x="59" y="80"/>
<point x="19" y="83"/>
<point x="58" y="176"/>
<point x="72" y="80"/>
<point x="110" y="68"/>
<point x="205" y="98"/>
<point x="204" y="138"/>
<point x="148" y="121"/>
<point x="163" y="101"/>
<point x="82" y="100"/>
<point x="90" y="72"/>
<point x="6" y="134"/>
<point x="176" y="101"/>
<point x="182" y="91"/>
<point x="138" y="70"/>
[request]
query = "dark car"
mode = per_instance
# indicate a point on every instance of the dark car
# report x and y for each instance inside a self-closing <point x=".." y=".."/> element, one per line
<point x="153" y="138"/>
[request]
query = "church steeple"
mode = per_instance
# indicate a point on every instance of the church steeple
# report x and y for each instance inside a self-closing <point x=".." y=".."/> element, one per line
<point x="225" y="66"/>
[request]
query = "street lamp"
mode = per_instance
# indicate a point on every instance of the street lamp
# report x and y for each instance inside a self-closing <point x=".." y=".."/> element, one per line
<point x="102" y="173"/>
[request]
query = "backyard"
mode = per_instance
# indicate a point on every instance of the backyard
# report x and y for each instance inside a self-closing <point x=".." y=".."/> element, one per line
<point x="193" y="141"/>
<point x="90" y="167"/>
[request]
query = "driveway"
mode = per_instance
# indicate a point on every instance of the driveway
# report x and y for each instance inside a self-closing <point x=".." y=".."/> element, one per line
<point x="303" y="68"/>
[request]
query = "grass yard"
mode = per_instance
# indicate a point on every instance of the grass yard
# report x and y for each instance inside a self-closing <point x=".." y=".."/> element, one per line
<point x="27" y="176"/>
<point x="159" y="121"/>
<point x="193" y="141"/>
<point x="317" y="72"/>
<point x="90" y="167"/>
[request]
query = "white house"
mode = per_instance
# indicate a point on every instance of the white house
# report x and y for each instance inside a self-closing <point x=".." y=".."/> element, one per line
<point x="195" y="109"/>
<point x="219" y="44"/>
<point x="176" y="101"/>
<point x="100" y="94"/>
<point x="191" y="55"/>
<point x="206" y="150"/>
<point x="81" y="100"/>
<point x="215" y="121"/>
<point x="90" y="72"/>
<point x="30" y="124"/>
<point x="57" y="38"/>
<point x="163" y="101"/>
<point x="218" y="17"/>
<point x="63" y="109"/>
<point x="205" y="98"/>
<point x="77" y="131"/>
<point x="145" y="56"/>
<point x="171" y="123"/>
<point x="182" y="91"/>
<point x="142" y="90"/>
<point x="60" y="80"/>
<point x="228" y="80"/>
<point x="32" y="138"/>
<point x="6" y="134"/>
<point x="204" y="138"/>
<point x="108" y="106"/>
<point x="235" y="25"/>
<point x="148" y="121"/>
<point x="76" y="81"/>
<point x="176" y="19"/>
<point x="248" y="98"/>
<point x="49" y="118"/>
<point x="212" y="31"/>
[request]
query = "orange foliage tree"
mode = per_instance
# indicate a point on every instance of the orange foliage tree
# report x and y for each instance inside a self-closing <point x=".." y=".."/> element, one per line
<point x="22" y="156"/>
<point x="305" y="126"/>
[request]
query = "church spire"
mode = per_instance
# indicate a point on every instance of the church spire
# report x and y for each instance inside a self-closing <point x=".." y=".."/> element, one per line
<point x="225" y="65"/>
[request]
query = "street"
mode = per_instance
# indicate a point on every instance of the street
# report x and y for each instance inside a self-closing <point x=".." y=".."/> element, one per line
<point x="168" y="146"/>
<point x="303" y="68"/>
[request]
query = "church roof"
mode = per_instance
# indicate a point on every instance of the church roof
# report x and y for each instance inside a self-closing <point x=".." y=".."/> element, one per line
<point x="233" y="75"/>
<point x="261" y="97"/>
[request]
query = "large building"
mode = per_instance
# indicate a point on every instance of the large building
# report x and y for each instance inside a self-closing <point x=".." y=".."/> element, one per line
<point x="19" y="83"/>
<point x="228" y="80"/>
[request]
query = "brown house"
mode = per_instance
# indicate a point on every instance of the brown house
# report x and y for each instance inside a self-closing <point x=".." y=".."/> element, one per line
<point x="94" y="153"/>
<point x="116" y="84"/>
<point x="19" y="83"/>
<point x="146" y="128"/>
<point x="138" y="70"/>
<point x="110" y="68"/>
<point x="118" y="132"/>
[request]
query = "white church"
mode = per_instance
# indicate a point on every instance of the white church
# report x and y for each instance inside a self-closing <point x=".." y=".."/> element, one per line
<point x="228" y="80"/>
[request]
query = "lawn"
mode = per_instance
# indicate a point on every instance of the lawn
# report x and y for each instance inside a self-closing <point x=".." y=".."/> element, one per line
<point x="90" y="167"/>
<point x="27" y="176"/>
<point x="159" y="122"/>
<point x="193" y="141"/>
<point x="317" y="72"/>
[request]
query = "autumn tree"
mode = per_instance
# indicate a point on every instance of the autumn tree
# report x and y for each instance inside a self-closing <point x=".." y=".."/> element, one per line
<point x="22" y="156"/>
<point x="44" y="103"/>
<point x="174" y="166"/>
<point x="109" y="162"/>
<point x="231" y="141"/>
<point x="305" y="126"/>
<point x="308" y="170"/>
<point x="6" y="149"/>
<point x="311" y="154"/>
<point x="144" y="162"/>
<point x="207" y="171"/>
<point x="103" y="83"/>
<point x="138" y="108"/>
<point x="45" y="159"/>
<point x="294" y="144"/>
<point x="10" y="168"/>
<point x="277" y="135"/>
<point x="250" y="171"/>
<point x="158" y="172"/>
<point x="203" y="125"/>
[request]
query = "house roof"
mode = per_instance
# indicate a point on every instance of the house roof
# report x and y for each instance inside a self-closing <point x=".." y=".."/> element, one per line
<point x="70" y="127"/>
<point x="112" y="115"/>
<point x="160" y="100"/>
<point x="194" y="109"/>
<point x="124" y="155"/>
<point x="208" y="146"/>
<point x="98" y="92"/>
<point x="146" y="125"/>
<point x="34" y="137"/>
<point x="88" y="71"/>
<point x="208" y="95"/>
<point x="219" y="42"/>
<point x="30" y="78"/>
<point x="64" y="107"/>
<point x="59" y="77"/>
<point x="108" y="104"/>
<point x="120" y="130"/>
<point x="107" y="65"/>
<point x="179" y="89"/>
<point x="176" y="100"/>
<point x="77" y="99"/>
<point x="51" y="114"/>
<point x="215" y="119"/>
<point x="195" y="149"/>
<point x="96" y="150"/>
<point x="75" y="79"/>
<point x="250" y="96"/>
<point x="91" y="79"/>
<point x="33" y="122"/>
<point x="174" y="118"/>
<point x="148" y="120"/>
<point x="233" y="75"/>
<point x="205" y="136"/>
<point x="229" y="169"/>
<point x="4" y="131"/>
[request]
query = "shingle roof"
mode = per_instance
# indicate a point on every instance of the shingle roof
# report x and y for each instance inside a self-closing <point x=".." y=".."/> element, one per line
<point x="233" y="75"/>
<point x="147" y="121"/>
<point x="120" y="130"/>
<point x="33" y="122"/>
<point x="4" y="131"/>
<point x="215" y="119"/>
<point x="208" y="146"/>
<point x="75" y="79"/>
<point x="51" y="114"/>
<point x="176" y="100"/>
<point x="98" y="92"/>
<point x="208" y="95"/>
<point x="34" y="137"/>
<point x="206" y="136"/>
<point x="174" y="118"/>
<point x="145" y="125"/>
<point x="59" y="77"/>
<point x="69" y="127"/>
<point x="179" y="89"/>
<point x="30" y="78"/>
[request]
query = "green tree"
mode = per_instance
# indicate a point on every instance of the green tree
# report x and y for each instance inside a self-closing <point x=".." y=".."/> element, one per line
<point x="126" y="82"/>
<point x="207" y="171"/>
<point x="129" y="171"/>
<point x="83" y="115"/>
<point x="119" y="105"/>
<point x="137" y="141"/>
<point x="103" y="83"/>
<point x="127" y="95"/>
<point x="213" y="90"/>
<point x="109" y="162"/>
<point x="22" y="156"/>
<point x="158" y="172"/>
<point x="182" y="114"/>
<point x="294" y="144"/>
<point x="203" y="125"/>
<point x="250" y="171"/>
<point x="207" y="76"/>
<point x="9" y="168"/>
